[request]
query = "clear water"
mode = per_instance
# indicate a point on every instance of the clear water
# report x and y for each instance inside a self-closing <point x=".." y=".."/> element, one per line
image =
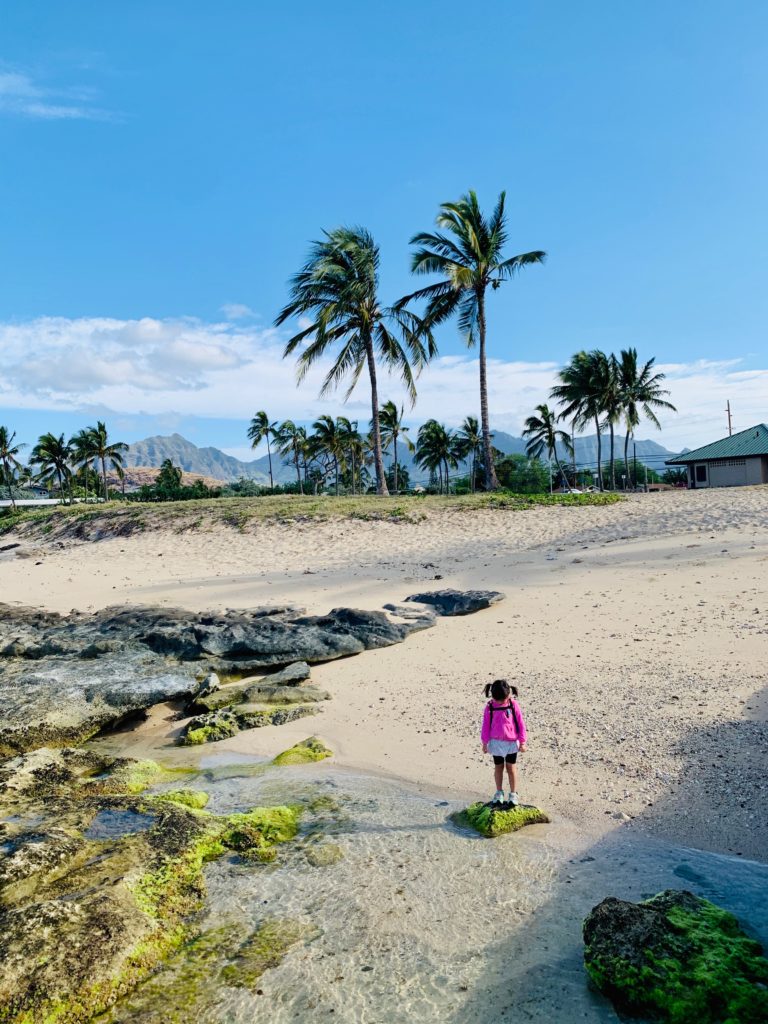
<point x="114" y="823"/>
<point x="420" y="921"/>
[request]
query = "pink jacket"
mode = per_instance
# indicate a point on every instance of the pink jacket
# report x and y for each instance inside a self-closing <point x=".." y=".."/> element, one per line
<point x="507" y="722"/>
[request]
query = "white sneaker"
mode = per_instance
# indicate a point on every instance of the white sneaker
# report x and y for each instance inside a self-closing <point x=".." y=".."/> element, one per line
<point x="513" y="798"/>
<point x="498" y="797"/>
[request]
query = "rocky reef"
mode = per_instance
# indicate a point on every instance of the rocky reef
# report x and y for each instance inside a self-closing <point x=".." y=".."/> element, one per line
<point x="493" y="820"/>
<point x="65" y="677"/>
<point x="98" y="879"/>
<point x="676" y="958"/>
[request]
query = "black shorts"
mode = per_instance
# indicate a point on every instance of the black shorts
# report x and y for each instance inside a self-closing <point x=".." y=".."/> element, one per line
<point x="510" y="758"/>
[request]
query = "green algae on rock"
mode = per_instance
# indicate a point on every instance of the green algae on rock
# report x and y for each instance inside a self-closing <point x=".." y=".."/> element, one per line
<point x="83" y="920"/>
<point x="491" y="820"/>
<point x="676" y="958"/>
<point x="264" y="949"/>
<point x="220" y="725"/>
<point x="196" y="799"/>
<point x="310" y="749"/>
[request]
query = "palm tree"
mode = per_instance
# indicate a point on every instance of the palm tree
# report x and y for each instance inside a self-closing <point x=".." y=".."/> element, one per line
<point x="437" y="450"/>
<point x="53" y="454"/>
<point x="544" y="436"/>
<point x="582" y="390"/>
<point x="612" y="408"/>
<point x="82" y="455"/>
<point x="392" y="428"/>
<point x="100" y="450"/>
<point x="338" y="287"/>
<point x="262" y="430"/>
<point x="469" y="262"/>
<point x="470" y="442"/>
<point x="9" y="451"/>
<point x="640" y="391"/>
<point x="328" y="439"/>
<point x="291" y="442"/>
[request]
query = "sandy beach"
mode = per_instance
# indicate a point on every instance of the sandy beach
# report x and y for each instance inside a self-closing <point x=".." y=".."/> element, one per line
<point x="636" y="634"/>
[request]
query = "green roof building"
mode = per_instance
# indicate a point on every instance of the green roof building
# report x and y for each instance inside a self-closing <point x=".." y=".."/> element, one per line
<point x="731" y="462"/>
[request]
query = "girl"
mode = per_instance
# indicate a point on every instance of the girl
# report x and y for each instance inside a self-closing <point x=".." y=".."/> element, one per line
<point x="503" y="735"/>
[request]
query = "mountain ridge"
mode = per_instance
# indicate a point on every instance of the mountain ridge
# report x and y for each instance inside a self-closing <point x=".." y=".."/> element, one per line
<point x="212" y="462"/>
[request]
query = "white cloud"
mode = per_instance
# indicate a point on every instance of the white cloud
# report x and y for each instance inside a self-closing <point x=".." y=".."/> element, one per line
<point x="186" y="367"/>
<point x="20" y="95"/>
<point x="237" y="311"/>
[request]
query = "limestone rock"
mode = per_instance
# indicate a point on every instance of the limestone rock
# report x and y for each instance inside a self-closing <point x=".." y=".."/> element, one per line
<point x="210" y="727"/>
<point x="457" y="602"/>
<point x="262" y="693"/>
<point x="676" y="957"/>
<point x="291" y="675"/>
<point x="497" y="819"/>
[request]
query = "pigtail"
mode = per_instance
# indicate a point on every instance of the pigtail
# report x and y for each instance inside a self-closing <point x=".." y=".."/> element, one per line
<point x="514" y="691"/>
<point x="487" y="689"/>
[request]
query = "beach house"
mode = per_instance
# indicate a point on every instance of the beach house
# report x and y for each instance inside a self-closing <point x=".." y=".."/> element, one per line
<point x="730" y="462"/>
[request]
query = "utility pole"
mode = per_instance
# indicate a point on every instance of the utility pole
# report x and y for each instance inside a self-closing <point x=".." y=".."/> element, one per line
<point x="728" y="412"/>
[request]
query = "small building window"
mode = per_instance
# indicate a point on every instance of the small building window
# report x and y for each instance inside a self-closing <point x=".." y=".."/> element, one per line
<point x="701" y="474"/>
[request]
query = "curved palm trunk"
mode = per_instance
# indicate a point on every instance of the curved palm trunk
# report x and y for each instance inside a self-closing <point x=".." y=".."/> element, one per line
<point x="626" y="460"/>
<point x="298" y="470"/>
<point x="394" y="454"/>
<point x="9" y="478"/>
<point x="447" y="479"/>
<point x="62" y="496"/>
<point x="269" y="456"/>
<point x="104" y="478"/>
<point x="491" y="480"/>
<point x="560" y="474"/>
<point x="381" y="480"/>
<point x="613" y="460"/>
<point x="599" y="455"/>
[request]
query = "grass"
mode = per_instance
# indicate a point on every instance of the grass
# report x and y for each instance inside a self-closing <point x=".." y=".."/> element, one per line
<point x="123" y="519"/>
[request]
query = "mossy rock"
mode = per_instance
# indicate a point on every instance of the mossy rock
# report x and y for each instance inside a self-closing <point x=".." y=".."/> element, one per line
<point x="209" y="728"/>
<point x="196" y="799"/>
<point x="676" y="958"/>
<point x="84" y="920"/>
<point x="323" y="855"/>
<point x="309" y="750"/>
<point x="497" y="819"/>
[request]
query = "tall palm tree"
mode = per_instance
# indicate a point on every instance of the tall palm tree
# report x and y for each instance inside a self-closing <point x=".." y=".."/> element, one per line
<point x="612" y="408"/>
<point x="102" y="452"/>
<point x="261" y="429"/>
<point x="438" y="451"/>
<point x="52" y="455"/>
<point x="9" y="452"/>
<point x="392" y="428"/>
<point x="470" y="441"/>
<point x="582" y="390"/>
<point x="338" y="288"/>
<point x="470" y="262"/>
<point x="82" y="455"/>
<point x="544" y="436"/>
<point x="291" y="442"/>
<point x="640" y="391"/>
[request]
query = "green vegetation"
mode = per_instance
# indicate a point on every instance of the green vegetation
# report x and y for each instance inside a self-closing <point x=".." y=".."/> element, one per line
<point x="195" y="799"/>
<point x="693" y="966"/>
<point x="87" y="522"/>
<point x="310" y="749"/>
<point x="490" y="821"/>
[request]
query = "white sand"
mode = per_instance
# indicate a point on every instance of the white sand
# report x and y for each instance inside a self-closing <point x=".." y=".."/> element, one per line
<point x="638" y="635"/>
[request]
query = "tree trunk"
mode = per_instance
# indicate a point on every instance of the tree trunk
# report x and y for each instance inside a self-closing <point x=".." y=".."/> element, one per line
<point x="491" y="480"/>
<point x="352" y="460"/>
<point x="560" y="473"/>
<point x="613" y="460"/>
<point x="298" y="471"/>
<point x="394" y="451"/>
<point x="104" y="478"/>
<point x="9" y="478"/>
<point x="61" y="486"/>
<point x="269" y="456"/>
<point x="447" y="479"/>
<point x="626" y="460"/>
<point x="599" y="455"/>
<point x="381" y="480"/>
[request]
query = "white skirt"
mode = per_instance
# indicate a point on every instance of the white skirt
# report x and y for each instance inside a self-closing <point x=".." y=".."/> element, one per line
<point x="500" y="748"/>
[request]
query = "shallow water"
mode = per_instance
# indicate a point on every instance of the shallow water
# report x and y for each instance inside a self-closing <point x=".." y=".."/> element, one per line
<point x="113" y="823"/>
<point x="420" y="921"/>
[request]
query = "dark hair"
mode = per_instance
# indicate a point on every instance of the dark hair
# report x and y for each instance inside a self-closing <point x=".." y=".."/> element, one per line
<point x="500" y="689"/>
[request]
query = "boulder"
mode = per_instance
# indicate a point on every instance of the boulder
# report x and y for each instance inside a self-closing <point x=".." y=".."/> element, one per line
<point x="457" y="602"/>
<point x="262" y="693"/>
<point x="291" y="675"/>
<point x="309" y="750"/>
<point x="209" y="728"/>
<point x="493" y="820"/>
<point x="677" y="958"/>
<point x="252" y="716"/>
<point x="210" y="685"/>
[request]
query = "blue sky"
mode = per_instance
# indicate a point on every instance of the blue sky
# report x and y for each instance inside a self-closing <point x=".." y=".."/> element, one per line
<point x="165" y="165"/>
